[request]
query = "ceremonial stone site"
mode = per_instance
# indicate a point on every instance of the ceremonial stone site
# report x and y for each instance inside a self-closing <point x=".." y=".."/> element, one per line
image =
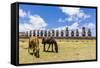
<point x="56" y="34"/>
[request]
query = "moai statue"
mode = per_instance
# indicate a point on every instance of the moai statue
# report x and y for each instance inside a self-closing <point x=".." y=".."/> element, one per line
<point x="45" y="34"/>
<point x="53" y="33"/>
<point x="57" y="33"/>
<point x="34" y="33"/>
<point x="62" y="34"/>
<point x="83" y="32"/>
<point x="38" y="33"/>
<point x="27" y="34"/>
<point x="67" y="32"/>
<point x="41" y="33"/>
<point x="30" y="33"/>
<point x="72" y="33"/>
<point x="89" y="32"/>
<point x="49" y="34"/>
<point x="77" y="33"/>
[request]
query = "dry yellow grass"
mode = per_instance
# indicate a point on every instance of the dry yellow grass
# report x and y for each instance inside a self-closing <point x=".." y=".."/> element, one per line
<point x="69" y="50"/>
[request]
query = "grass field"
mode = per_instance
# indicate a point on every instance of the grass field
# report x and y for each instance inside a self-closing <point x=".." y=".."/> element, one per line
<point x="69" y="50"/>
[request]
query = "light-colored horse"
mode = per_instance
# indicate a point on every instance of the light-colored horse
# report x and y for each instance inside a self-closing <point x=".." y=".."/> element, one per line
<point x="34" y="46"/>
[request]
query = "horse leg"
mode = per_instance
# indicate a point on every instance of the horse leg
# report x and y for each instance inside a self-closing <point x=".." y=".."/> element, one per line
<point x="52" y="47"/>
<point x="48" y="47"/>
<point x="37" y="54"/>
<point x="29" y="49"/>
<point x="34" y="51"/>
<point x="44" y="47"/>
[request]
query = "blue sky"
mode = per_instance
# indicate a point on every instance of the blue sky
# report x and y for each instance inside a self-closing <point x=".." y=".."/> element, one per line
<point x="54" y="17"/>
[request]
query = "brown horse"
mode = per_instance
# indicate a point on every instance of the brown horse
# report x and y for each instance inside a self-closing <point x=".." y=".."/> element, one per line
<point x="51" y="41"/>
<point x="34" y="46"/>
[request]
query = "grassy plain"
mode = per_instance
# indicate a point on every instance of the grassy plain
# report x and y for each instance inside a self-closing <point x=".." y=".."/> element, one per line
<point x="69" y="50"/>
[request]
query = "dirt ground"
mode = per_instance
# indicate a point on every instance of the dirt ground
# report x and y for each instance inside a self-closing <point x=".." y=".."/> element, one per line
<point x="69" y="50"/>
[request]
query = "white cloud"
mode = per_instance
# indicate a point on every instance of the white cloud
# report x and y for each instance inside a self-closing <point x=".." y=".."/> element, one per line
<point x="60" y="28"/>
<point x="34" y="22"/>
<point x="70" y="10"/>
<point x="25" y="27"/>
<point x="22" y="13"/>
<point x="74" y="14"/>
<point x="21" y="27"/>
<point x="86" y="16"/>
<point x="74" y="26"/>
<point x="69" y="19"/>
<point x="81" y="14"/>
<point x="37" y="21"/>
<point x="71" y="27"/>
<point x="61" y="20"/>
<point x="89" y="25"/>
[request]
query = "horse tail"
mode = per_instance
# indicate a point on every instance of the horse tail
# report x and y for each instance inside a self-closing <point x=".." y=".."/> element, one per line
<point x="56" y="47"/>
